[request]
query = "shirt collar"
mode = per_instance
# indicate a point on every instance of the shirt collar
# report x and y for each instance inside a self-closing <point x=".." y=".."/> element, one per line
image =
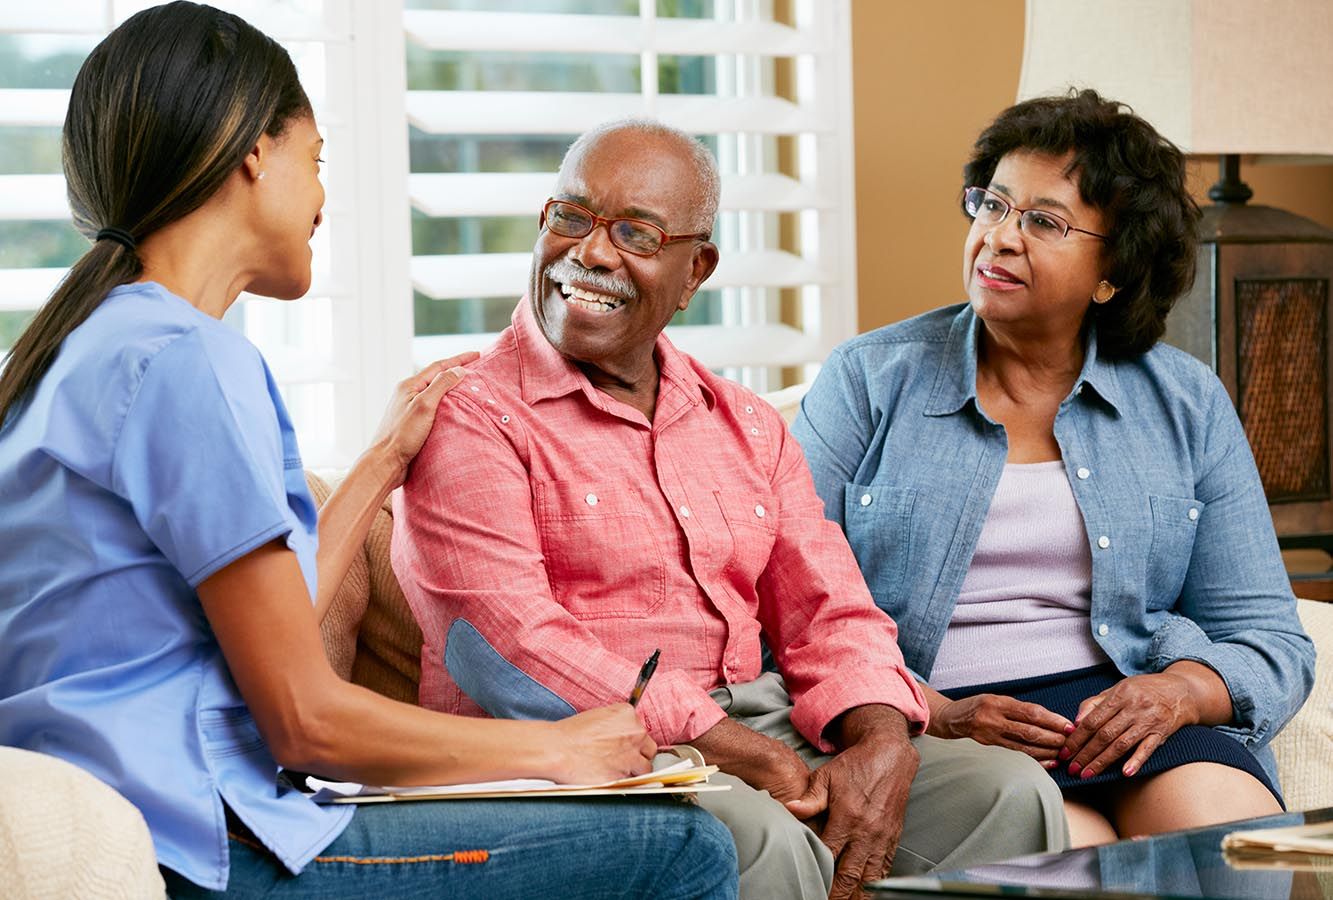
<point x="544" y="374"/>
<point x="956" y="380"/>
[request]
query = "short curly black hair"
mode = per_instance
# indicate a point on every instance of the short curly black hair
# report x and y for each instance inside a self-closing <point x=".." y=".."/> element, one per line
<point x="1136" y="178"/>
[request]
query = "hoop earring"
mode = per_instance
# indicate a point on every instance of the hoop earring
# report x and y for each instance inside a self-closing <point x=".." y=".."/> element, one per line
<point x="1103" y="292"/>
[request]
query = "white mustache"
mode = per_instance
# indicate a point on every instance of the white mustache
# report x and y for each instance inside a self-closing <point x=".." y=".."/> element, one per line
<point x="566" y="271"/>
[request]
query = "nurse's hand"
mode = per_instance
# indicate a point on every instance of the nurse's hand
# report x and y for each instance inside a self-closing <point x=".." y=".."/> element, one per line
<point x="411" y="413"/>
<point x="602" y="744"/>
<point x="1003" y="722"/>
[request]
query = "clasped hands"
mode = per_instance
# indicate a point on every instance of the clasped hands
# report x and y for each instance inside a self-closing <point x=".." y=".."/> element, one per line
<point x="855" y="802"/>
<point x="1129" y="719"/>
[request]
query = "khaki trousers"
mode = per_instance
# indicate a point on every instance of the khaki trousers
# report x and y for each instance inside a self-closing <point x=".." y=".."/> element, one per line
<point x="969" y="804"/>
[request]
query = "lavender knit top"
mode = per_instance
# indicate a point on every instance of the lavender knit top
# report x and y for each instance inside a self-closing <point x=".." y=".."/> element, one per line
<point x="1024" y="606"/>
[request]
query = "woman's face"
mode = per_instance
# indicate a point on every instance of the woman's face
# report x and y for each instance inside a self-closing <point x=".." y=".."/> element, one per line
<point x="290" y="200"/>
<point x="1017" y="282"/>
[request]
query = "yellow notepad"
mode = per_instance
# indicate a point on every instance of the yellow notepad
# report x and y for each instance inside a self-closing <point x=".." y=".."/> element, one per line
<point x="689" y="776"/>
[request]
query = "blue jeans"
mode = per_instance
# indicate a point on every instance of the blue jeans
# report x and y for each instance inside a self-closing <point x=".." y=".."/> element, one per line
<point x="595" y="848"/>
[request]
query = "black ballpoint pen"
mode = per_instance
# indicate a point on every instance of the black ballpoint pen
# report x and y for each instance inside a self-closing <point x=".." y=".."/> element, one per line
<point x="649" y="667"/>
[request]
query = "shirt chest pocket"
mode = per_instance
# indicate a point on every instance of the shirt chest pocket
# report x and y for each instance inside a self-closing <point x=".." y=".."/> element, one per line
<point x="1175" y="521"/>
<point x="750" y="518"/>
<point x="602" y="558"/>
<point x="878" y="523"/>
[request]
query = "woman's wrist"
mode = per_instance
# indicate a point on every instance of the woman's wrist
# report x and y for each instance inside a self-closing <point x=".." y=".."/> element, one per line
<point x="381" y="468"/>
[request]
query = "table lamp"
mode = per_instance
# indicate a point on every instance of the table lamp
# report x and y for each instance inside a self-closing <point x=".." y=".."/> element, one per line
<point x="1231" y="79"/>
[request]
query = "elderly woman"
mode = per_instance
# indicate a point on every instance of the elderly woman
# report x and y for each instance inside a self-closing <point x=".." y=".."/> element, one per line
<point x="1062" y="514"/>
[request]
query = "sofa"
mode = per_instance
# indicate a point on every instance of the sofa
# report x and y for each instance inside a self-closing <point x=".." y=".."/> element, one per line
<point x="51" y="813"/>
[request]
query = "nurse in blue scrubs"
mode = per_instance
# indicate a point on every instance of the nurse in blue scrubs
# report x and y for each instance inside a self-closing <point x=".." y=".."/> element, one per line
<point x="162" y="572"/>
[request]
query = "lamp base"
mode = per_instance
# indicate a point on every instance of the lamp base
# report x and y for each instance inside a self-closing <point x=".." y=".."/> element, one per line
<point x="1259" y="315"/>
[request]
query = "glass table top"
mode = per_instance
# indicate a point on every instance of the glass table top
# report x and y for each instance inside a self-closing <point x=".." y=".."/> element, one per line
<point x="1183" y="864"/>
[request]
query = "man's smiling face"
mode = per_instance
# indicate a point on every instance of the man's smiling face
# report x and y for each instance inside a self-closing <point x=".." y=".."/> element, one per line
<point x="597" y="304"/>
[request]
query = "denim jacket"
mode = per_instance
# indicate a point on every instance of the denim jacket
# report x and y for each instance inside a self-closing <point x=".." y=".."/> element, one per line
<point x="1185" y="564"/>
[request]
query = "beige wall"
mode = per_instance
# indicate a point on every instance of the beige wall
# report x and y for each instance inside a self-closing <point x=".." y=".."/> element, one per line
<point x="920" y="101"/>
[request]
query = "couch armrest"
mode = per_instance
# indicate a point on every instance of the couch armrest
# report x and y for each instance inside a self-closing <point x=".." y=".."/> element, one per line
<point x="63" y="833"/>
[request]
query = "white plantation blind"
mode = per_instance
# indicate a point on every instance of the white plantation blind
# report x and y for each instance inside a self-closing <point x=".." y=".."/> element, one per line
<point x="335" y="353"/>
<point x="736" y="46"/>
<point x="445" y="121"/>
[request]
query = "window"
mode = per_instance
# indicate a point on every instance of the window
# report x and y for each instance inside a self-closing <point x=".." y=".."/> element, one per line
<point x="445" y="122"/>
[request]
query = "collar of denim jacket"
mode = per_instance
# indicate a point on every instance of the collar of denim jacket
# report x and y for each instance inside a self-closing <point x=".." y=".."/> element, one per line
<point x="956" y="380"/>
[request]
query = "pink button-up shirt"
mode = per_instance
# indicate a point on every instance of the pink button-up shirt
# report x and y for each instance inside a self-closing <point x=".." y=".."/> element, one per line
<point x="576" y="536"/>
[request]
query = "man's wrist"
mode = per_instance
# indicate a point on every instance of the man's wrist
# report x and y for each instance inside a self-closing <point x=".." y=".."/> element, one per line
<point x="874" y="721"/>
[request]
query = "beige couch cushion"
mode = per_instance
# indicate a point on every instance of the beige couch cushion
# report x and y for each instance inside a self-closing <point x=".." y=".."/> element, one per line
<point x="1305" y="747"/>
<point x="65" y="834"/>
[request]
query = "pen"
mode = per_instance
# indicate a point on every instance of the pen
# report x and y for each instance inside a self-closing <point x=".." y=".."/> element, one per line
<point x="649" y="667"/>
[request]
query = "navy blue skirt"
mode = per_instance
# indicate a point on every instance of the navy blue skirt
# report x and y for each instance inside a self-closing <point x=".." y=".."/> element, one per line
<point x="1064" y="691"/>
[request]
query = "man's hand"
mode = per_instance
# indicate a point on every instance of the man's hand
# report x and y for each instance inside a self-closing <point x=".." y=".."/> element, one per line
<point x="864" y="791"/>
<point x="758" y="760"/>
<point x="1003" y="722"/>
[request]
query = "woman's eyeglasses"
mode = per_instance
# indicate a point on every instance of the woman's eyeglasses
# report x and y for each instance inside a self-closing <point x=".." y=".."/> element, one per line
<point x="631" y="235"/>
<point x="989" y="208"/>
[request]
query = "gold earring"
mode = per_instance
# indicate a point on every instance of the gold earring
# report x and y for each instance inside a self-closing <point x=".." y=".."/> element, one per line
<point x="1104" y="291"/>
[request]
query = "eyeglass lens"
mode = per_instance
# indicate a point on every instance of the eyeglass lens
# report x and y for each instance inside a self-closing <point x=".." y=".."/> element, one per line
<point x="569" y="220"/>
<point x="990" y="209"/>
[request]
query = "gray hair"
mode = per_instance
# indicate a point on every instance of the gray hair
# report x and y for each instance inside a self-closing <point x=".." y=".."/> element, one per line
<point x="709" y="182"/>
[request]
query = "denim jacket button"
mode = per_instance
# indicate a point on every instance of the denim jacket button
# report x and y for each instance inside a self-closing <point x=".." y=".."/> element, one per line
<point x="1193" y="513"/>
<point x="1103" y="542"/>
<point x="1083" y="472"/>
<point x="865" y="499"/>
<point x="1103" y="629"/>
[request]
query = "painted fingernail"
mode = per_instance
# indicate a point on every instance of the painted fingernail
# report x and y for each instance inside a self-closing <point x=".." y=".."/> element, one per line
<point x="1064" y="753"/>
<point x="1087" y="773"/>
<point x="1050" y="764"/>
<point x="1129" y="771"/>
<point x="1074" y="768"/>
<point x="1069" y="729"/>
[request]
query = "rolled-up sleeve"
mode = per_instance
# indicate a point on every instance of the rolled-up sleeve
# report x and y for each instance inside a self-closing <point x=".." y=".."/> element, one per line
<point x="1236" y="613"/>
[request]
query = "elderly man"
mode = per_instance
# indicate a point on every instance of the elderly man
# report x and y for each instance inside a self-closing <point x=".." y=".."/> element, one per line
<point x="590" y="493"/>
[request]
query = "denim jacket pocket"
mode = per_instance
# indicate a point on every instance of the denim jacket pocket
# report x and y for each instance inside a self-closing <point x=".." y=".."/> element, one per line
<point x="878" y="523"/>
<point x="1174" y="523"/>
<point x="580" y="523"/>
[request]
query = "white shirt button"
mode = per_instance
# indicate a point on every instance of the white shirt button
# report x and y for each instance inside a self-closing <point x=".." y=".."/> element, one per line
<point x="475" y="389"/>
<point x="754" y="431"/>
<point x="504" y="420"/>
<point x="759" y="510"/>
<point x="750" y="410"/>
<point x="490" y="402"/>
<point x="1103" y="542"/>
<point x="1083" y="472"/>
<point x="1193" y="513"/>
<point x="684" y="512"/>
<point x="866" y="499"/>
<point x="591" y="499"/>
<point x="1103" y="629"/>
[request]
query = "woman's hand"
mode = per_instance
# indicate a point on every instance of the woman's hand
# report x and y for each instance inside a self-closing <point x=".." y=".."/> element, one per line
<point x="601" y="744"/>
<point x="1134" y="715"/>
<point x="411" y="413"/>
<point x="1004" y="722"/>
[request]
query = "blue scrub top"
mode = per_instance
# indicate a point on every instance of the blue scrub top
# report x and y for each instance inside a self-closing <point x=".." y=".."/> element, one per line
<point x="155" y="451"/>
